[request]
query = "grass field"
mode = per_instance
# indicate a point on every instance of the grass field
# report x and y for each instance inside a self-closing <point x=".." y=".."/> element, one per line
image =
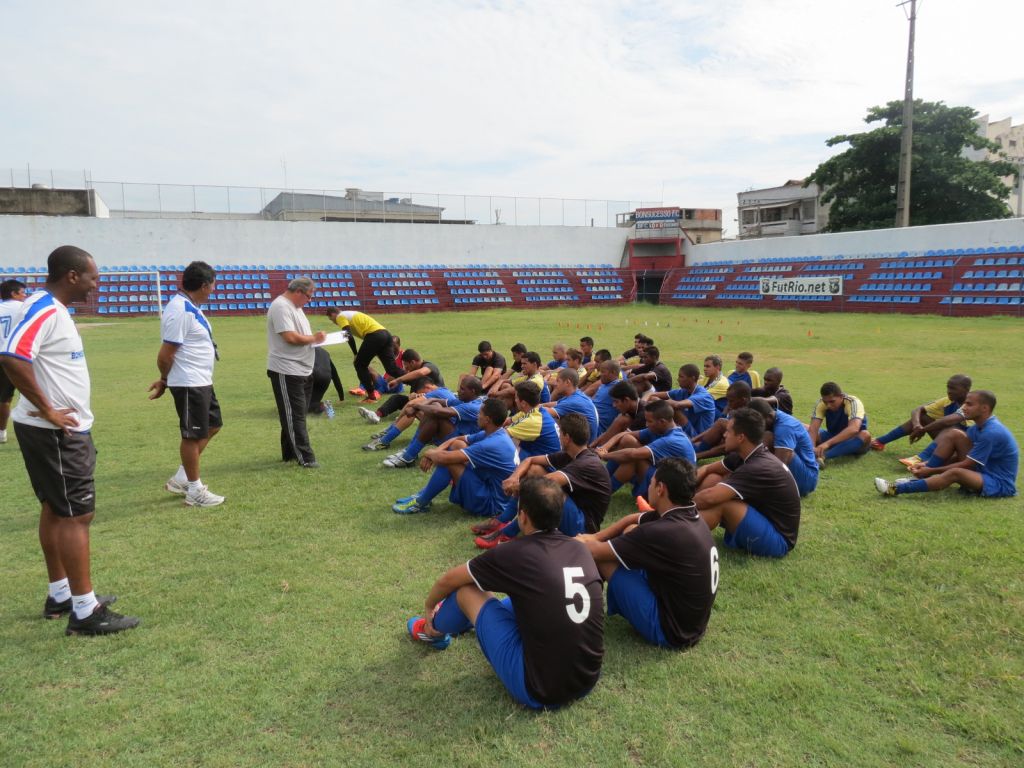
<point x="273" y="626"/>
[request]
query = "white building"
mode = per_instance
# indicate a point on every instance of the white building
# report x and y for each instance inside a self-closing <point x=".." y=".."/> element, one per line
<point x="1010" y="138"/>
<point x="791" y="209"/>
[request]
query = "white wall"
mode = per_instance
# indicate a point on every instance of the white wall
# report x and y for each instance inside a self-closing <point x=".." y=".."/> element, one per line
<point x="877" y="243"/>
<point x="26" y="241"/>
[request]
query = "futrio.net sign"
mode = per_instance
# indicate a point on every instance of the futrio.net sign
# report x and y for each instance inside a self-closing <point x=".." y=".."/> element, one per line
<point x="802" y="286"/>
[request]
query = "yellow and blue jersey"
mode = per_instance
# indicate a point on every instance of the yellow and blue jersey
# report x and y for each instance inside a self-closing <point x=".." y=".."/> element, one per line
<point x="536" y="432"/>
<point x="752" y="377"/>
<point x="837" y="421"/>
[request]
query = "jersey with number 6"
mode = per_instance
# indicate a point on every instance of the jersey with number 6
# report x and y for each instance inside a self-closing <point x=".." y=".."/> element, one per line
<point x="678" y="554"/>
<point x="556" y="594"/>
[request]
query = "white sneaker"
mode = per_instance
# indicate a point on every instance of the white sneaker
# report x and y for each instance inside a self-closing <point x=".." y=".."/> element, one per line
<point x="398" y="461"/>
<point x="3" y="435"/>
<point x="369" y="415"/>
<point x="203" y="498"/>
<point x="174" y="485"/>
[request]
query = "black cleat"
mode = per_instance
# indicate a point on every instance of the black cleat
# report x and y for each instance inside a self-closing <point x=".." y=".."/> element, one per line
<point x="54" y="610"/>
<point x="102" y="621"/>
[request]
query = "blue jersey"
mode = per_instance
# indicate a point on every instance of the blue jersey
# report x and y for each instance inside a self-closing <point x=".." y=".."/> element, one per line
<point x="578" y="402"/>
<point x="465" y="419"/>
<point x="606" y="412"/>
<point x="996" y="452"/>
<point x="673" y="443"/>
<point x="492" y="457"/>
<point x="444" y="395"/>
<point x="837" y="421"/>
<point x="701" y="415"/>
<point x="792" y="435"/>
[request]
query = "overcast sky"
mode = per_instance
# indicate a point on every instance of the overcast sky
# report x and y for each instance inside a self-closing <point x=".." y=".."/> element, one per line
<point x="688" y="102"/>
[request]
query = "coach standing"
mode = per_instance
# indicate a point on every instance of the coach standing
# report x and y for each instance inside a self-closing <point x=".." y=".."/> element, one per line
<point x="185" y="362"/>
<point x="44" y="359"/>
<point x="290" y="367"/>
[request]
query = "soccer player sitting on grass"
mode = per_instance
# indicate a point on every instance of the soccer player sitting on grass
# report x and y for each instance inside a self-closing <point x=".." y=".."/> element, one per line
<point x="425" y="389"/>
<point x="711" y="442"/>
<point x="714" y="382"/>
<point x="545" y="640"/>
<point x="653" y="370"/>
<point x="750" y="492"/>
<point x="743" y="371"/>
<point x="592" y="381"/>
<point x="790" y="443"/>
<point x="489" y="365"/>
<point x="576" y="469"/>
<point x="984" y="460"/>
<point x="532" y="428"/>
<point x="477" y="465"/>
<point x="846" y="423"/>
<point x="587" y="351"/>
<point x="569" y="399"/>
<point x="640" y="343"/>
<point x="633" y="456"/>
<point x="661" y="566"/>
<point x="931" y="418"/>
<point x="440" y="418"/>
<point x="560" y="358"/>
<point x="774" y="392"/>
<point x="418" y="373"/>
<point x="631" y="416"/>
<point x="530" y="362"/>
<point x="693" y="405"/>
<point x="610" y="374"/>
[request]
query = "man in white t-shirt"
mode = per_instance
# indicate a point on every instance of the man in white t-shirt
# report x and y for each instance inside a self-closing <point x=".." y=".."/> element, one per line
<point x="44" y="358"/>
<point x="12" y="293"/>
<point x="290" y="367"/>
<point x="185" y="362"/>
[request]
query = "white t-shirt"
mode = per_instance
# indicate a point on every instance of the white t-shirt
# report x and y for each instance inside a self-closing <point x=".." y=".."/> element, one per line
<point x="185" y="326"/>
<point x="8" y="311"/>
<point x="282" y="357"/>
<point x="45" y="335"/>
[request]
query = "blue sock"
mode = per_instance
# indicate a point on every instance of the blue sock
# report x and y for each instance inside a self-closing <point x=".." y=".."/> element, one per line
<point x="391" y="433"/>
<point x="912" y="486"/>
<point x="412" y="450"/>
<point x="927" y="452"/>
<point x="450" y="619"/>
<point x="440" y="479"/>
<point x="511" y="510"/>
<point x="935" y="461"/>
<point x="511" y="530"/>
<point x="892" y="434"/>
<point x="612" y="469"/>
<point x="849" y="447"/>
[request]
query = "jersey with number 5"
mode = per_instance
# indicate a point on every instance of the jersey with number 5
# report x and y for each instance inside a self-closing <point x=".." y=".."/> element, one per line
<point x="557" y="597"/>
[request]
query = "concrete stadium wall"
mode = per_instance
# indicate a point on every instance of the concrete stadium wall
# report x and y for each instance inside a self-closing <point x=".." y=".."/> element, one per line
<point x="878" y="243"/>
<point x="26" y="241"/>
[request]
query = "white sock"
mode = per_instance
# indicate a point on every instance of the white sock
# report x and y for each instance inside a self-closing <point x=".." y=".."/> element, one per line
<point x="195" y="486"/>
<point x="180" y="475"/>
<point x="84" y="605"/>
<point x="60" y="590"/>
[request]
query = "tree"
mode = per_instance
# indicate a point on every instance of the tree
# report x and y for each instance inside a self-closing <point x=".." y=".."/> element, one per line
<point x="945" y="186"/>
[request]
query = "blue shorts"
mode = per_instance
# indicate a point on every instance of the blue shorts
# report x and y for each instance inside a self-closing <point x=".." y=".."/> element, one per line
<point x="758" y="536"/>
<point x="994" y="487"/>
<point x="806" y="478"/>
<point x="630" y="596"/>
<point x="498" y="635"/>
<point x="573" y="521"/>
<point x="473" y="495"/>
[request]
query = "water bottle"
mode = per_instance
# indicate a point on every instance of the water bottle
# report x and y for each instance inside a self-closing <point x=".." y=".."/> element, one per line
<point x="328" y="409"/>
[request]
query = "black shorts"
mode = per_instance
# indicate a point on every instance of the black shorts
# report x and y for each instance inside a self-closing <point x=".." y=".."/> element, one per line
<point x="198" y="411"/>
<point x="60" y="467"/>
<point x="6" y="388"/>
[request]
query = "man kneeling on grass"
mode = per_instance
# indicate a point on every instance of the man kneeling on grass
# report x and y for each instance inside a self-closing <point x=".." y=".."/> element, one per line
<point x="984" y="460"/>
<point x="546" y="639"/>
<point x="750" y="493"/>
<point x="661" y="566"/>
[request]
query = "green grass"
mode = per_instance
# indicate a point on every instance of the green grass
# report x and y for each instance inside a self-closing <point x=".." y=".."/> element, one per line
<point x="273" y="626"/>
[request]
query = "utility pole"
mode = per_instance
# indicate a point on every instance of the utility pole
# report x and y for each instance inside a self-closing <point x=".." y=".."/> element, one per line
<point x="907" y="138"/>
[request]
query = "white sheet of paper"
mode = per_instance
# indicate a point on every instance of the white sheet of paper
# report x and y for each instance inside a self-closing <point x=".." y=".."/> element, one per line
<point x="337" y="337"/>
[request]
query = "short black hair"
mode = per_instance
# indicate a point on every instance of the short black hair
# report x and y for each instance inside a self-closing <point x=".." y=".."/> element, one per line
<point x="587" y="340"/>
<point x="542" y="500"/>
<point x="532" y="357"/>
<point x="623" y="390"/>
<point x="568" y="374"/>
<point x="10" y="287"/>
<point x="494" y="408"/>
<point x="575" y="427"/>
<point x="987" y="397"/>
<point x="612" y="366"/>
<point x="653" y="351"/>
<point x="518" y="347"/>
<point x="830" y="389"/>
<point x="960" y="380"/>
<point x="484" y="346"/>
<point x="411" y="356"/>
<point x="66" y="258"/>
<point x="714" y="359"/>
<point x="763" y="407"/>
<point x="679" y="478"/>
<point x="745" y="356"/>
<point x="690" y="370"/>
<point x="749" y="423"/>
<point x="660" y="409"/>
<point x="601" y="355"/>
<point x="473" y="384"/>
<point x="739" y="389"/>
<point x="528" y="392"/>
<point x="196" y="275"/>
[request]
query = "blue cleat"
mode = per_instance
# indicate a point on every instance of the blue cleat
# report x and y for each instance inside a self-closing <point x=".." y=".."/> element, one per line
<point x="415" y="628"/>
<point x="409" y="506"/>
